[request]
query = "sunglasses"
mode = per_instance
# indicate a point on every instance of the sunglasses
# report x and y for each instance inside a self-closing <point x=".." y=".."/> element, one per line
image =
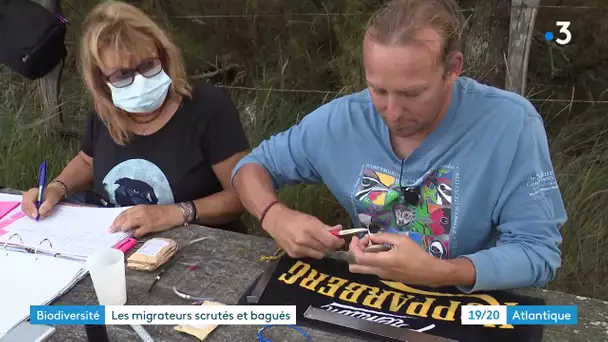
<point x="125" y="77"/>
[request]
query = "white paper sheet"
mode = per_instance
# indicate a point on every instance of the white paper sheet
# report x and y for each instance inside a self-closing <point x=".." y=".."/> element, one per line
<point x="27" y="281"/>
<point x="72" y="230"/>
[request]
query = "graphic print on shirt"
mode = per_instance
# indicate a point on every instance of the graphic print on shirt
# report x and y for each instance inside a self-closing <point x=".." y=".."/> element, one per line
<point x="137" y="181"/>
<point x="378" y="201"/>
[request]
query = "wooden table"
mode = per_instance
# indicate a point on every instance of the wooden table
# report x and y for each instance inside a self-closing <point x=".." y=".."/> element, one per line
<point x="228" y="263"/>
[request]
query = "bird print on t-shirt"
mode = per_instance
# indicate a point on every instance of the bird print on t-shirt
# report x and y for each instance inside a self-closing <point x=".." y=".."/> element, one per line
<point x="378" y="198"/>
<point x="133" y="192"/>
<point x="137" y="181"/>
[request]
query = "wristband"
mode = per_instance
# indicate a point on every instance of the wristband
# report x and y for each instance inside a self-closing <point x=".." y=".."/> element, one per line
<point x="266" y="211"/>
<point x="187" y="212"/>
<point x="194" y="217"/>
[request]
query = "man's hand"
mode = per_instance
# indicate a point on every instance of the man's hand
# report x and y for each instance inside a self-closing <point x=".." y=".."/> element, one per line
<point x="298" y="234"/>
<point x="146" y="219"/>
<point x="406" y="262"/>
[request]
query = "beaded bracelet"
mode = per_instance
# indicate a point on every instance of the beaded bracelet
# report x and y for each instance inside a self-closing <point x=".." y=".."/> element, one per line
<point x="63" y="186"/>
<point x="188" y="212"/>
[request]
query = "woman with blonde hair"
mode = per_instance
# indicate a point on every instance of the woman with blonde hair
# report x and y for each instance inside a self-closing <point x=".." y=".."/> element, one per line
<point x="154" y="141"/>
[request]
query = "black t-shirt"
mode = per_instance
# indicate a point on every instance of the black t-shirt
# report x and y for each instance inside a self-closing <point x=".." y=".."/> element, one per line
<point x="174" y="164"/>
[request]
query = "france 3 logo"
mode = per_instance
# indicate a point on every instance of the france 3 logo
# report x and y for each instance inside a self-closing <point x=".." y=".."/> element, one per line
<point x="564" y="35"/>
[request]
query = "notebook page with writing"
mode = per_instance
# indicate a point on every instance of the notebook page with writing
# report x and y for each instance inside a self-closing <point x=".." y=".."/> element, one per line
<point x="72" y="230"/>
<point x="27" y="281"/>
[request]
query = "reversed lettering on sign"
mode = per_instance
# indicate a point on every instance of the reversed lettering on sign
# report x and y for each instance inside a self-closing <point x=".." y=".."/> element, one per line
<point x="374" y="316"/>
<point x="400" y="300"/>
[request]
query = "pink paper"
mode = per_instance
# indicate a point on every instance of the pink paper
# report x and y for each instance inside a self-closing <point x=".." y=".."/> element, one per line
<point x="10" y="220"/>
<point x="7" y="207"/>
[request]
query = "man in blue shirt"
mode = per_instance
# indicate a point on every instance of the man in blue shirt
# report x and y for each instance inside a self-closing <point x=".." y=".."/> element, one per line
<point x="456" y="174"/>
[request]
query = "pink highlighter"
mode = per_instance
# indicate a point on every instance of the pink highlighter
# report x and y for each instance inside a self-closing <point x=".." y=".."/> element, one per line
<point x="126" y="245"/>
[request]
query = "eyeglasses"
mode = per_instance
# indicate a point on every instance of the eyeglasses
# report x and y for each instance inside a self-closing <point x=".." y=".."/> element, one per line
<point x="124" y="77"/>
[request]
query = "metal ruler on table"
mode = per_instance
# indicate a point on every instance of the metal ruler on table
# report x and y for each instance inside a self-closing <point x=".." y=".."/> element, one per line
<point x="260" y="286"/>
<point x="143" y="334"/>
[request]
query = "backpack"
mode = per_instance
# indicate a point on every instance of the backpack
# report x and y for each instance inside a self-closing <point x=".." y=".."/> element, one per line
<point x="32" y="39"/>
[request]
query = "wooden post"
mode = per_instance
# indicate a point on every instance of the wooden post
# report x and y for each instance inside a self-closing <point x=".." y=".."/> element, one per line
<point x="523" y="17"/>
<point x="486" y="41"/>
<point x="50" y="85"/>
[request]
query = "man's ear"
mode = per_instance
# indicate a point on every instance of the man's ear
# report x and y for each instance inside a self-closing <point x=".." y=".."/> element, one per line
<point x="454" y="67"/>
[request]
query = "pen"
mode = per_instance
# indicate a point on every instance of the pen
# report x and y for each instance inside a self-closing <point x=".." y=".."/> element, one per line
<point x="156" y="279"/>
<point x="41" y="185"/>
<point x="175" y="257"/>
<point x="165" y="267"/>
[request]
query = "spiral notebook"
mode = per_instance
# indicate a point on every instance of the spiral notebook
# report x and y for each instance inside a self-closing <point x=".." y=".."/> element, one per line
<point x="44" y="259"/>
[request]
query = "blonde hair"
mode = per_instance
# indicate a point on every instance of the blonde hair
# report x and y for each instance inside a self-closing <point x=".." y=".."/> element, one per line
<point x="129" y="32"/>
<point x="398" y="22"/>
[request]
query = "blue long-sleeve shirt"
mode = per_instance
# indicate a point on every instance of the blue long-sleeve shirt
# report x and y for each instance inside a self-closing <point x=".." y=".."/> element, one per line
<point x="486" y="182"/>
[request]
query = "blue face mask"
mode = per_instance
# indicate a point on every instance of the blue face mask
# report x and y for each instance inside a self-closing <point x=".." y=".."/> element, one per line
<point x="144" y="95"/>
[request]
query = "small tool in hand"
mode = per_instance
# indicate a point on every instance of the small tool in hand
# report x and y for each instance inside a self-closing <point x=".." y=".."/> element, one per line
<point x="341" y="255"/>
<point x="377" y="248"/>
<point x="371" y="230"/>
<point x="347" y="232"/>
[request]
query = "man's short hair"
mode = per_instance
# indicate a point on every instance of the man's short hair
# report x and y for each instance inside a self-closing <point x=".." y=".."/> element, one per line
<point x="398" y="22"/>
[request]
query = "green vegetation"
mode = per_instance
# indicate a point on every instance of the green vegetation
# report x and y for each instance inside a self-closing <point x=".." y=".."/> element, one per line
<point x="283" y="48"/>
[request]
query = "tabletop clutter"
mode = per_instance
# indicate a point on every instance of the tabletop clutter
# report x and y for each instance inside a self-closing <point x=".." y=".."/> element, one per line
<point x="107" y="269"/>
<point x="58" y="253"/>
<point x="44" y="259"/>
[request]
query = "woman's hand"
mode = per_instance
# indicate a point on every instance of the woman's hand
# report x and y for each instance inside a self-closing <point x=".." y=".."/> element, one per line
<point x="52" y="195"/>
<point x="146" y="219"/>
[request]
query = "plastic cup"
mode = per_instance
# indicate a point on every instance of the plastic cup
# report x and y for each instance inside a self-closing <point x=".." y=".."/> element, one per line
<point x="107" y="270"/>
